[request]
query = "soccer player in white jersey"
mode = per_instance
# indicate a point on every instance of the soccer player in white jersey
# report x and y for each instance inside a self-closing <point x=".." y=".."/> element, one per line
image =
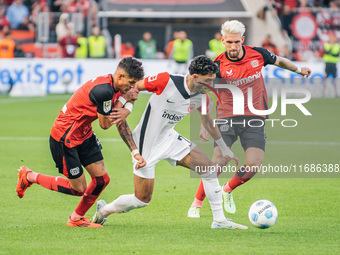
<point x="173" y="97"/>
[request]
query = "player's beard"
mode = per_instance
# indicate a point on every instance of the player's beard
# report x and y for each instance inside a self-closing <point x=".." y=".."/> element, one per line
<point x="233" y="54"/>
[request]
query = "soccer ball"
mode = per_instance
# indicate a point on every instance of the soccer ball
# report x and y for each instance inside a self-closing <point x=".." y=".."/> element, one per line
<point x="262" y="214"/>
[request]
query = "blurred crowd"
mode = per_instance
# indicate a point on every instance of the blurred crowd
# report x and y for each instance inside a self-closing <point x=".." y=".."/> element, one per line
<point x="22" y="15"/>
<point x="326" y="16"/>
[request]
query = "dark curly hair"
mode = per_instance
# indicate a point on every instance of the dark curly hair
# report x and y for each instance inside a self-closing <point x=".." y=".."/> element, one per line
<point x="202" y="65"/>
<point x="133" y="67"/>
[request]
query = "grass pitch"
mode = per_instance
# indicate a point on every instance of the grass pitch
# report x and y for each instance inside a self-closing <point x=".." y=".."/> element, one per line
<point x="308" y="221"/>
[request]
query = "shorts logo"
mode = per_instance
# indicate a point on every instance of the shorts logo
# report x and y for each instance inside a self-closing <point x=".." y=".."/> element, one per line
<point x="255" y="63"/>
<point x="74" y="171"/>
<point x="224" y="128"/>
<point x="107" y="106"/>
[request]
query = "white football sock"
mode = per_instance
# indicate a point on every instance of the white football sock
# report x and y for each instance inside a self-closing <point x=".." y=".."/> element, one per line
<point x="213" y="192"/>
<point x="122" y="204"/>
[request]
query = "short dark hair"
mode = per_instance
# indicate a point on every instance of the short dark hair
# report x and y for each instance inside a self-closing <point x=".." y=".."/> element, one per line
<point x="133" y="67"/>
<point x="202" y="65"/>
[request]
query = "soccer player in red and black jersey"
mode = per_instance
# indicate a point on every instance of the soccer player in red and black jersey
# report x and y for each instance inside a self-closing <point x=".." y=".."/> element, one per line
<point x="241" y="66"/>
<point x="73" y="143"/>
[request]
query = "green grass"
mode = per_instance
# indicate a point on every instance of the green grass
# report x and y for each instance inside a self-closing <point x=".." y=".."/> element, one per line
<point x="308" y="208"/>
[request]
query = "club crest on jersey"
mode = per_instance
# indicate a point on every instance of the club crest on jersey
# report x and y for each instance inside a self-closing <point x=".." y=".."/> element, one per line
<point x="255" y="63"/>
<point x="107" y="106"/>
<point x="191" y="107"/>
<point x="229" y="73"/>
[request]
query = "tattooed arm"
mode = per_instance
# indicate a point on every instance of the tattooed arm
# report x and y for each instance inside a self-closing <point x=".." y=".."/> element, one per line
<point x="289" y="65"/>
<point x="126" y="135"/>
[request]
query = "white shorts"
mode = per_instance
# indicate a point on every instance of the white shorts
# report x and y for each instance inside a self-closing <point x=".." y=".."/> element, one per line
<point x="174" y="148"/>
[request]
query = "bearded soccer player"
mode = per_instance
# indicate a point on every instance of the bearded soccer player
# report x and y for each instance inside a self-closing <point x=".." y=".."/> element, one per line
<point x="73" y="143"/>
<point x="174" y="96"/>
<point x="237" y="64"/>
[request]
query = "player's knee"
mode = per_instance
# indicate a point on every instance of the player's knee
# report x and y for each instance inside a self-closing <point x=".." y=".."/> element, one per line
<point x="254" y="164"/>
<point x="100" y="183"/>
<point x="141" y="203"/>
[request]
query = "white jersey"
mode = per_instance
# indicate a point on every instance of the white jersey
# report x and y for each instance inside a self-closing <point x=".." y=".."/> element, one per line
<point x="167" y="106"/>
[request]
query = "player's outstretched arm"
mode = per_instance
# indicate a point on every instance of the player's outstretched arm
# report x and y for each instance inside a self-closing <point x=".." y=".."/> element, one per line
<point x="207" y="122"/>
<point x="289" y="65"/>
<point x="125" y="133"/>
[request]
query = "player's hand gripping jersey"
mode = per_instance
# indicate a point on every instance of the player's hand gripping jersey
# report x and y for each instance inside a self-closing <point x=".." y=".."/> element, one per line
<point x="73" y="125"/>
<point x="244" y="73"/>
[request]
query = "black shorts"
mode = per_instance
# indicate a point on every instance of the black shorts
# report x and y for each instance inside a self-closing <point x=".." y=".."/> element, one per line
<point x="330" y="70"/>
<point x="249" y="129"/>
<point x="69" y="161"/>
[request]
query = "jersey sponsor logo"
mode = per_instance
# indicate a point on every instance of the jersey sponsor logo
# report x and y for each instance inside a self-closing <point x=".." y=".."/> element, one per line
<point x="255" y="63"/>
<point x="191" y="107"/>
<point x="152" y="78"/>
<point x="171" y="102"/>
<point x="229" y="73"/>
<point x="245" y="80"/>
<point x="74" y="171"/>
<point x="107" y="106"/>
<point x="172" y="117"/>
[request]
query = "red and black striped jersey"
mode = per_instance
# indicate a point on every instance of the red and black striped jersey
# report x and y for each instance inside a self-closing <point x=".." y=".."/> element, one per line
<point x="73" y="125"/>
<point x="244" y="73"/>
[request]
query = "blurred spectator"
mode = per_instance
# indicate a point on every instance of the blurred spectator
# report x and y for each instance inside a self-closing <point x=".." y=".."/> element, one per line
<point x="83" y="47"/>
<point x="291" y="3"/>
<point x="268" y="44"/>
<point x="304" y="5"/>
<point x="286" y="20"/>
<point x="127" y="50"/>
<point x="63" y="25"/>
<point x="147" y="48"/>
<point x="97" y="44"/>
<point x="182" y="52"/>
<point x="331" y="58"/>
<point x="71" y="6"/>
<point x="216" y="46"/>
<point x="18" y="52"/>
<point x="170" y="45"/>
<point x="56" y="5"/>
<point x="333" y="6"/>
<point x="3" y="19"/>
<point x="16" y="13"/>
<point x="7" y="45"/>
<point x="26" y="25"/>
<point x="287" y="53"/>
<point x="68" y="44"/>
<point x="3" y="6"/>
<point x="271" y="5"/>
<point x="84" y="7"/>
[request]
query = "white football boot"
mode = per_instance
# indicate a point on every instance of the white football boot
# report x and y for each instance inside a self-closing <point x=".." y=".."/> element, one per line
<point x="98" y="217"/>
<point x="194" y="212"/>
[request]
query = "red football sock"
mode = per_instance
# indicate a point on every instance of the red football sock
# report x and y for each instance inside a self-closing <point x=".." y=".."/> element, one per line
<point x="200" y="194"/>
<point x="241" y="176"/>
<point x="92" y="192"/>
<point x="58" y="184"/>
